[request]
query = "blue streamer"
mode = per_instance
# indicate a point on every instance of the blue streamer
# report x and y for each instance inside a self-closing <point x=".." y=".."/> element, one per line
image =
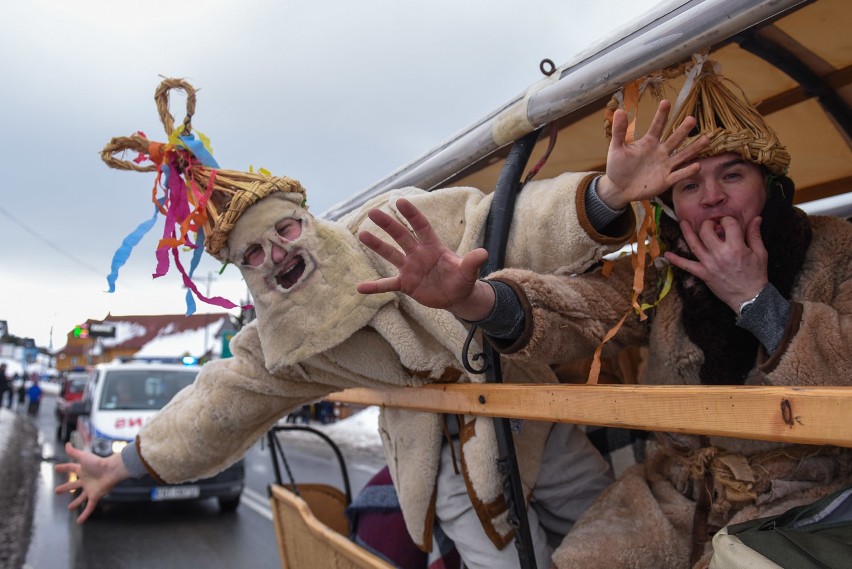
<point x="196" y="258"/>
<point x="123" y="252"/>
<point x="190" y="303"/>
<point x="197" y="148"/>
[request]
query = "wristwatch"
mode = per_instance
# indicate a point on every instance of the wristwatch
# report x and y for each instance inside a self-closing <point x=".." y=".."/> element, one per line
<point x="747" y="304"/>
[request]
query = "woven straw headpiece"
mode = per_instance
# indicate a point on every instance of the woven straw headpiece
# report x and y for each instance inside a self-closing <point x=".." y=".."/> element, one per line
<point x="201" y="202"/>
<point x="730" y="121"/>
<point x="218" y="196"/>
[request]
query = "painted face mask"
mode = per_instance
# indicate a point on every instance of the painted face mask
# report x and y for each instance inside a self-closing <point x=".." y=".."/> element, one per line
<point x="302" y="273"/>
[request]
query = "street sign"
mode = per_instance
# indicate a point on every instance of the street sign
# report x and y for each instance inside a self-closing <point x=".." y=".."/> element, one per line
<point x="101" y="330"/>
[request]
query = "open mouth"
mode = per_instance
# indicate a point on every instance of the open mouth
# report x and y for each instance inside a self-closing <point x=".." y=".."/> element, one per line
<point x="291" y="273"/>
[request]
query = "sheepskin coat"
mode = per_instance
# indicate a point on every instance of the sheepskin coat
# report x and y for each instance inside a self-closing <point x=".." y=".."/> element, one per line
<point x="398" y="343"/>
<point x="645" y="519"/>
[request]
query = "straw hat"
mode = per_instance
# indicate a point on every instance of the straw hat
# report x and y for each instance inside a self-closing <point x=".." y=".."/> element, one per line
<point x="216" y="197"/>
<point x="730" y="121"/>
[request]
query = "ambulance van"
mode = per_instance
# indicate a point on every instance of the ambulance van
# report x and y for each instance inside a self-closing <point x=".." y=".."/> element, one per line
<point x="118" y="401"/>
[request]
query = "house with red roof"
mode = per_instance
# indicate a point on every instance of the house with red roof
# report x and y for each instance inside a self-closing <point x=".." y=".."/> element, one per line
<point x="161" y="337"/>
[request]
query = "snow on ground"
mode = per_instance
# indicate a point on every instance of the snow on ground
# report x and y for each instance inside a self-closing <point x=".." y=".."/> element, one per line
<point x="357" y="436"/>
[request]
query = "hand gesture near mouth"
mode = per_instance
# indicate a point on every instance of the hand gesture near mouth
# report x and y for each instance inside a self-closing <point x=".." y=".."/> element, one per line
<point x="429" y="272"/>
<point x="733" y="263"/>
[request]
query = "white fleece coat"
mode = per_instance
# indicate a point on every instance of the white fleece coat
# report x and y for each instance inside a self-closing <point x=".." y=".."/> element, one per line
<point x="398" y="343"/>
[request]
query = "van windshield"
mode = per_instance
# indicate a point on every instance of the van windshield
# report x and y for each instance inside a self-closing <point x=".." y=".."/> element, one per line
<point x="77" y="385"/>
<point x="143" y="389"/>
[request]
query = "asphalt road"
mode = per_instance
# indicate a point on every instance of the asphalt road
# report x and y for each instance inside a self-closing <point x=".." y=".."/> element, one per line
<point x="38" y="532"/>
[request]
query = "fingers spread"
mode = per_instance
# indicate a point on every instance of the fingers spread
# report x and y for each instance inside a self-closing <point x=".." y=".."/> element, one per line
<point x="385" y="250"/>
<point x="690" y="151"/>
<point x="619" y="128"/>
<point x="655" y="130"/>
<point x="388" y="284"/>
<point x="419" y="223"/>
<point x="393" y="228"/>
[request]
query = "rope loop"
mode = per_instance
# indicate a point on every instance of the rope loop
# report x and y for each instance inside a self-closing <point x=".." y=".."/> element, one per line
<point x="161" y="96"/>
<point x="120" y="144"/>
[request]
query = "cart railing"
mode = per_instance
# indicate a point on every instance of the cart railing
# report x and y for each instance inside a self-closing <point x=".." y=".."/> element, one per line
<point x="807" y="415"/>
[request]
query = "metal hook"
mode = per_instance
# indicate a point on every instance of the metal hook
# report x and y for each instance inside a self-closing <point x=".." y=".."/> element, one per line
<point x="476" y="357"/>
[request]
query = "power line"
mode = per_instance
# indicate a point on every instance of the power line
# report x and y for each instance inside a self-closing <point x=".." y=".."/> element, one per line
<point x="48" y="242"/>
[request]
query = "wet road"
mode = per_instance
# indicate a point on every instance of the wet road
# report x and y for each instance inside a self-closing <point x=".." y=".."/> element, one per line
<point x="182" y="535"/>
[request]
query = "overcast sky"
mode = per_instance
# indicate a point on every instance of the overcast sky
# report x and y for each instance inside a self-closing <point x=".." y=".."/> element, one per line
<point x="334" y="94"/>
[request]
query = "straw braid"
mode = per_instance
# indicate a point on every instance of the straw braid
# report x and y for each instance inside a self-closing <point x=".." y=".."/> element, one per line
<point x="161" y="96"/>
<point x="232" y="191"/>
<point x="730" y="122"/>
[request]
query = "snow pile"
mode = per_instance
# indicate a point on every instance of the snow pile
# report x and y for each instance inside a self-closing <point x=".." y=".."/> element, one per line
<point x="190" y="342"/>
<point x="357" y="436"/>
<point x="361" y="430"/>
<point x="124" y="331"/>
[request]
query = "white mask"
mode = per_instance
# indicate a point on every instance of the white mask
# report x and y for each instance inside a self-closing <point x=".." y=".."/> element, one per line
<point x="306" y="302"/>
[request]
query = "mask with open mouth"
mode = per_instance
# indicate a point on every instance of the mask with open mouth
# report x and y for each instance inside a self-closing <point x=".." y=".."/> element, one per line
<point x="306" y="302"/>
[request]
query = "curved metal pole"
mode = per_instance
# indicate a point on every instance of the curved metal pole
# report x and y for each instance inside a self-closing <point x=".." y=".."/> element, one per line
<point x="496" y="238"/>
<point x="276" y="445"/>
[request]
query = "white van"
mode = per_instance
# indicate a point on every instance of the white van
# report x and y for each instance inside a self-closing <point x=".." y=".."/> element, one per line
<point x="117" y="402"/>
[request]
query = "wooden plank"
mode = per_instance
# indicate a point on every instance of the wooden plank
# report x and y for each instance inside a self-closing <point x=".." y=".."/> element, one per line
<point x="811" y="415"/>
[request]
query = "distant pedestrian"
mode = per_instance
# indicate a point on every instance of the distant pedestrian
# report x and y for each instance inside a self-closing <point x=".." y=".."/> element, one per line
<point x="34" y="396"/>
<point x="22" y="391"/>
<point x="5" y="387"/>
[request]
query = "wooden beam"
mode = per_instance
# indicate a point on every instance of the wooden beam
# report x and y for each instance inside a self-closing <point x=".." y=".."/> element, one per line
<point x="810" y="415"/>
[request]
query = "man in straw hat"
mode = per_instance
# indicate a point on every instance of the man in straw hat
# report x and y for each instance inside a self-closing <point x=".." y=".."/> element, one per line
<point x="762" y="295"/>
<point x="315" y="334"/>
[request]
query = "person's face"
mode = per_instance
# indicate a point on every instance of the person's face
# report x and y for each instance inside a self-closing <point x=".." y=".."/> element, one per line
<point x="266" y="244"/>
<point x="725" y="186"/>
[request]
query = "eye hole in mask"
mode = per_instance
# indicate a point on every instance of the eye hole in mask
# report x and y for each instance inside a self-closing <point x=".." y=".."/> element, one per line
<point x="289" y="229"/>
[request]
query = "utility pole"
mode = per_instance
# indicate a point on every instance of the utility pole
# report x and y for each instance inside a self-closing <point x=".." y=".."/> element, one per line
<point x="210" y="279"/>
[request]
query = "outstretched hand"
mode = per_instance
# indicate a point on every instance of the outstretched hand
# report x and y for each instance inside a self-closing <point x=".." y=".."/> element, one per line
<point x="647" y="167"/>
<point x="429" y="271"/>
<point x="93" y="476"/>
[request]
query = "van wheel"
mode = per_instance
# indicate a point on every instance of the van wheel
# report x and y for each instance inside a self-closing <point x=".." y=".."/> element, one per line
<point x="227" y="505"/>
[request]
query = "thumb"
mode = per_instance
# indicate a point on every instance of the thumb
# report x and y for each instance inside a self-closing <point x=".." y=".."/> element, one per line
<point x="472" y="263"/>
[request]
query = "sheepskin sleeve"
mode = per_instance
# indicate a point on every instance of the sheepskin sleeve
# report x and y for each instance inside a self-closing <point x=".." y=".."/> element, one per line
<point x="212" y="423"/>
<point x="815" y="347"/>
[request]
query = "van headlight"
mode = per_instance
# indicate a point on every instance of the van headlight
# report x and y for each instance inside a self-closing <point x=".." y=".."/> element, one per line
<point x="107" y="447"/>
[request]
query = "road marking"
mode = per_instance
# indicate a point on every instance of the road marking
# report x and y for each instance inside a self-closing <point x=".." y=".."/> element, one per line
<point x="257" y="502"/>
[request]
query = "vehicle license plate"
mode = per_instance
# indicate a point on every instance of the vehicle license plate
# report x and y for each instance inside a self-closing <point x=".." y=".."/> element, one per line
<point x="175" y="492"/>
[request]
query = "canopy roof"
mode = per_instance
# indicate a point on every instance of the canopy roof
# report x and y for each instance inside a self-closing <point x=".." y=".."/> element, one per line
<point x="793" y="58"/>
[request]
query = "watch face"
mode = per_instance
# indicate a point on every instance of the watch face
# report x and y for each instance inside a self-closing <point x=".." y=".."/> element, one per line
<point x="747" y="304"/>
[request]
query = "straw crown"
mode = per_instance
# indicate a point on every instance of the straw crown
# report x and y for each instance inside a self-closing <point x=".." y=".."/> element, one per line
<point x="730" y="122"/>
<point x="191" y="192"/>
<point x="218" y="197"/>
